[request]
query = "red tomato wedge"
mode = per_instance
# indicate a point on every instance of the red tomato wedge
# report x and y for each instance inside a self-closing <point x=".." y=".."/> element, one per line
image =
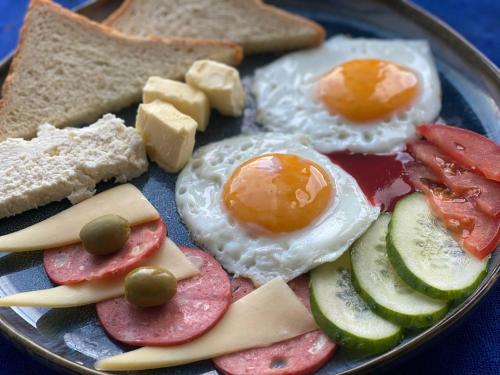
<point x="466" y="147"/>
<point x="483" y="193"/>
<point x="422" y="178"/>
<point x="476" y="232"/>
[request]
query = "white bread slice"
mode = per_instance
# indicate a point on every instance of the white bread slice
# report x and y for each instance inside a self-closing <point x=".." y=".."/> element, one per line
<point x="256" y="26"/>
<point x="69" y="70"/>
<point x="67" y="163"/>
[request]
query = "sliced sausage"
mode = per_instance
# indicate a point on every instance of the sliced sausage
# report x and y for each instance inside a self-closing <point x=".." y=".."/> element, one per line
<point x="200" y="302"/>
<point x="73" y="264"/>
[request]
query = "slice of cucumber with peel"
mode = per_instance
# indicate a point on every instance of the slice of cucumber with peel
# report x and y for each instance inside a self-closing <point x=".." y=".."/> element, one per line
<point x="382" y="289"/>
<point x="343" y="315"/>
<point x="426" y="256"/>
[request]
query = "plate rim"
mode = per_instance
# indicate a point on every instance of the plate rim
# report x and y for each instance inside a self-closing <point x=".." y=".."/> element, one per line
<point x="461" y="45"/>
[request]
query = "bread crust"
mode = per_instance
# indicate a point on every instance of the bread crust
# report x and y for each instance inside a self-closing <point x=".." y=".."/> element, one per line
<point x="111" y="19"/>
<point x="280" y="13"/>
<point x="320" y="31"/>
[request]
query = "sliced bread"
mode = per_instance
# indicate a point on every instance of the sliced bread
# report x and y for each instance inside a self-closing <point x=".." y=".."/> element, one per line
<point x="251" y="23"/>
<point x="69" y="70"/>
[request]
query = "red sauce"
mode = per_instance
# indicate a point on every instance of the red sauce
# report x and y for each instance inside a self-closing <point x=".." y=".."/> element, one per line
<point x="381" y="177"/>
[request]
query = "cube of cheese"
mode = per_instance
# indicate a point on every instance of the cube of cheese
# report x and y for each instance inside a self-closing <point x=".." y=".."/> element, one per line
<point x="187" y="99"/>
<point x="221" y="83"/>
<point x="167" y="133"/>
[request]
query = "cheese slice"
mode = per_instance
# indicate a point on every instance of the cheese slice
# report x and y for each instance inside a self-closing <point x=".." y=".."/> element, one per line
<point x="64" y="228"/>
<point x="169" y="256"/>
<point x="67" y="295"/>
<point x="270" y="314"/>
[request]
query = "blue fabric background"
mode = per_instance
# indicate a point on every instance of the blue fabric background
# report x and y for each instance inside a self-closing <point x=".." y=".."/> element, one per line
<point x="471" y="347"/>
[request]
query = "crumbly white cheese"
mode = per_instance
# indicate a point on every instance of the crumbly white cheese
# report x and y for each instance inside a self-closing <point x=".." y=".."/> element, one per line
<point x="67" y="163"/>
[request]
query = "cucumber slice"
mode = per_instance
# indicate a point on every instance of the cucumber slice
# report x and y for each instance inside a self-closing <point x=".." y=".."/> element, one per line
<point x="425" y="254"/>
<point x="382" y="289"/>
<point x="343" y="315"/>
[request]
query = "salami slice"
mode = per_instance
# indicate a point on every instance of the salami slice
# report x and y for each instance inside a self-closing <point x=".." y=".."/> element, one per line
<point x="301" y="355"/>
<point x="73" y="264"/>
<point x="200" y="302"/>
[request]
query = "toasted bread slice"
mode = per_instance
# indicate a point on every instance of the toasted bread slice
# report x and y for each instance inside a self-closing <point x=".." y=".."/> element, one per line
<point x="69" y="70"/>
<point x="251" y="23"/>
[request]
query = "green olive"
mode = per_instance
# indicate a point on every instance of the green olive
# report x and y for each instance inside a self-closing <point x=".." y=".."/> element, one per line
<point x="105" y="235"/>
<point x="150" y="286"/>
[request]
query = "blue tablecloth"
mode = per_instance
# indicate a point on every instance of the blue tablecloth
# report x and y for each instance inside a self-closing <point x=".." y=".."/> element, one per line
<point x="471" y="348"/>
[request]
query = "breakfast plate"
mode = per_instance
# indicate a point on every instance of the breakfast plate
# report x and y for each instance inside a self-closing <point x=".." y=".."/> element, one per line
<point x="71" y="338"/>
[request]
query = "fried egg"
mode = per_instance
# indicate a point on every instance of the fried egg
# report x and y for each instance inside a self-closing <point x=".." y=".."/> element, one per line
<point x="268" y="205"/>
<point x="363" y="95"/>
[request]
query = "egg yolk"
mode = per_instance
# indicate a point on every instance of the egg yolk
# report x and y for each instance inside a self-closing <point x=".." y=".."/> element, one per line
<point x="368" y="89"/>
<point x="277" y="193"/>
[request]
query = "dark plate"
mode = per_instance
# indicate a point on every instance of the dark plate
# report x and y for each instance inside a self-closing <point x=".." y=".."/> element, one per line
<point x="72" y="339"/>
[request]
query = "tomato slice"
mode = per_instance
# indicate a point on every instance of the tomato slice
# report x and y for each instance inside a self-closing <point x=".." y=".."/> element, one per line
<point x="483" y="193"/>
<point x="476" y="232"/>
<point x="421" y="177"/>
<point x="466" y="147"/>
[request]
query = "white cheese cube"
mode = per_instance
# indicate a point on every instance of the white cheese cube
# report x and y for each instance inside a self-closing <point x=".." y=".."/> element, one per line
<point x="167" y="133"/>
<point x="221" y="83"/>
<point x="187" y="99"/>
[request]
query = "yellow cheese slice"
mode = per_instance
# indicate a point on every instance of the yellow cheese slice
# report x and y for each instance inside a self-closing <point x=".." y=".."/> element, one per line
<point x="67" y="295"/>
<point x="270" y="314"/>
<point x="64" y="228"/>
<point x="85" y="293"/>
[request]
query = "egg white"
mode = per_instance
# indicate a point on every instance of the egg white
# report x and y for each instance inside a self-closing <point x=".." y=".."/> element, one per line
<point x="199" y="201"/>
<point x="285" y="93"/>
